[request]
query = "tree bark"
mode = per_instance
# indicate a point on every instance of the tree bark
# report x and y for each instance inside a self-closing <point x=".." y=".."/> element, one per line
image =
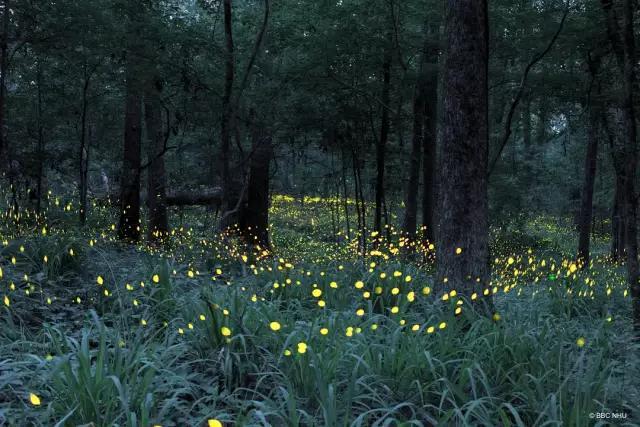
<point x="227" y="106"/>
<point x="254" y="219"/>
<point x="129" y="224"/>
<point x="156" y="177"/>
<point x="40" y="150"/>
<point x="84" y="150"/>
<point x="526" y="124"/>
<point x="4" y="66"/>
<point x="382" y="142"/>
<point x="586" y="206"/>
<point x="463" y="233"/>
<point x="591" y="160"/>
<point x="360" y="202"/>
<point x="621" y="36"/>
<point x="429" y="145"/>
<point x="411" y="198"/>
<point x="345" y="192"/>
<point x="617" y="228"/>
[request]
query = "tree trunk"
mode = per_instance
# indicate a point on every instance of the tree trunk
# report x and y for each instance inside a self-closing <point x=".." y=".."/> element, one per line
<point x="623" y="44"/>
<point x="255" y="216"/>
<point x="585" y="220"/>
<point x="541" y="130"/>
<point x="84" y="151"/>
<point x="360" y="203"/>
<point x="631" y="161"/>
<point x="40" y="150"/>
<point x="156" y="177"/>
<point x="227" y="107"/>
<point x="345" y="192"/>
<point x="129" y="224"/>
<point x="411" y="198"/>
<point x="4" y="55"/>
<point x="586" y="207"/>
<point x="463" y="232"/>
<point x="429" y="144"/>
<point x="382" y="142"/>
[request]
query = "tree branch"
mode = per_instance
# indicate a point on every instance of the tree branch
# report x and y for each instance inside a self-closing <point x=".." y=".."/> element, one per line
<point x="519" y="94"/>
<point x="256" y="49"/>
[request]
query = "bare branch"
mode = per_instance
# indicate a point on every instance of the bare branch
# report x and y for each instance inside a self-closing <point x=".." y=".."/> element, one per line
<point x="520" y="93"/>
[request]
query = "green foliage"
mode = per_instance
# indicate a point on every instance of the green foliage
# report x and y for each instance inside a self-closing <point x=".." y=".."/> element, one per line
<point x="216" y="337"/>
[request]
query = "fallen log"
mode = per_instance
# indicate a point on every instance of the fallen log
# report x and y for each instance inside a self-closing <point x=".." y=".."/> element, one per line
<point x="212" y="196"/>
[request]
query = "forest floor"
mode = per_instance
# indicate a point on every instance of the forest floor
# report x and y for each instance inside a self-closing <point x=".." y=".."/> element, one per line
<point x="203" y="333"/>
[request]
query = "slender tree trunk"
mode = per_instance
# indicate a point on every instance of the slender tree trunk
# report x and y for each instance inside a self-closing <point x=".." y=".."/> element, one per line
<point x="129" y="224"/>
<point x="227" y="107"/>
<point x="463" y="232"/>
<point x="382" y="142"/>
<point x="360" y="203"/>
<point x="4" y="66"/>
<point x="156" y="177"/>
<point x="40" y="150"/>
<point x="411" y="198"/>
<point x="84" y="150"/>
<point x="345" y="192"/>
<point x="617" y="229"/>
<point x="429" y="142"/>
<point x="541" y="131"/>
<point x="526" y="123"/>
<point x="586" y="207"/>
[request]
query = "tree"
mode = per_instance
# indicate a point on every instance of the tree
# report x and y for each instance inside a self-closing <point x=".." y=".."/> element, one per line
<point x="411" y="197"/>
<point x="4" y="66"/>
<point x="429" y="150"/>
<point x="129" y="224"/>
<point x="156" y="177"/>
<point x="622" y="39"/>
<point x="381" y="143"/>
<point x="462" y="237"/>
<point x="418" y="140"/>
<point x="227" y="107"/>
<point x="586" y="206"/>
<point x="254" y="219"/>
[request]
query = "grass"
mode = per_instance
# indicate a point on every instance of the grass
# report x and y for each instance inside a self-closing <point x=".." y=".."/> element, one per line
<point x="112" y="335"/>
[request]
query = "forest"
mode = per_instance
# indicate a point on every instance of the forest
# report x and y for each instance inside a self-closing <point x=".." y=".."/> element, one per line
<point x="319" y="213"/>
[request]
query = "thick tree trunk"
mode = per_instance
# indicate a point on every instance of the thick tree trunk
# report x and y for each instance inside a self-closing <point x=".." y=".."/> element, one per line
<point x="586" y="207"/>
<point x="254" y="220"/>
<point x="129" y="224"/>
<point x="156" y="178"/>
<point x="382" y="142"/>
<point x="463" y="232"/>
